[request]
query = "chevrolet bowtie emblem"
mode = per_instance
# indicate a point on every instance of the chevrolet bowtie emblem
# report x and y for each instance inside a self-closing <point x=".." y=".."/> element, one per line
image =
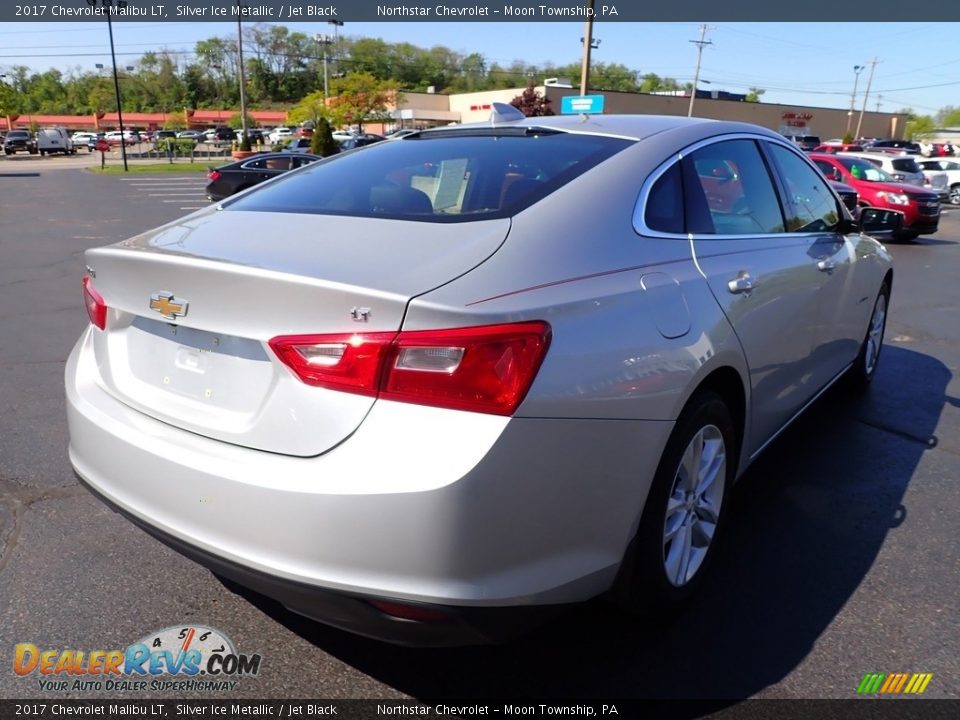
<point x="165" y="304"/>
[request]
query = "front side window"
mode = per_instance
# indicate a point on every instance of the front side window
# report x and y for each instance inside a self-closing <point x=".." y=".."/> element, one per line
<point x="733" y="180"/>
<point x="811" y="206"/>
<point x="444" y="176"/>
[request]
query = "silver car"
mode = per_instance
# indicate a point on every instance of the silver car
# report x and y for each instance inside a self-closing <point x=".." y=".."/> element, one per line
<point x="434" y="389"/>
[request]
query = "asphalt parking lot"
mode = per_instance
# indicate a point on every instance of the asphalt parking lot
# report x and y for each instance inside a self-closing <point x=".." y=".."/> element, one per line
<point x="843" y="556"/>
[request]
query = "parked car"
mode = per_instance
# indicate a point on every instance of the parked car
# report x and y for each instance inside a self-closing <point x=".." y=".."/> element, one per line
<point x="907" y="146"/>
<point x="222" y="134"/>
<point x="297" y="145"/>
<point x="161" y="136"/>
<point x="950" y="168"/>
<point x="19" y="141"/>
<point x="84" y="140"/>
<point x="358" y="140"/>
<point x="418" y="393"/>
<point x="849" y="196"/>
<point x="920" y="208"/>
<point x="229" y="179"/>
<point x="256" y="135"/>
<point x="280" y="134"/>
<point x="127" y="137"/>
<point x="835" y="147"/>
<point x="902" y="168"/>
<point x="194" y="135"/>
<point x="805" y="142"/>
<point x="54" y="140"/>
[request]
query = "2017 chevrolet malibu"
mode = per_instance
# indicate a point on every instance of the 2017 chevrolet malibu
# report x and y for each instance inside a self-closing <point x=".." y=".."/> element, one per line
<point x="449" y="382"/>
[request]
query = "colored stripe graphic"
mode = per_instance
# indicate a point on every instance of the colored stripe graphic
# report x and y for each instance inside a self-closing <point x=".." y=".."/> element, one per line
<point x="894" y="683"/>
<point x="870" y="683"/>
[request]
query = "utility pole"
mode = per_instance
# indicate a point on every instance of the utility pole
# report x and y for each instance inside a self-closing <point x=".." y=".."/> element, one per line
<point x="857" y="69"/>
<point x="863" y="109"/>
<point x="324" y="41"/>
<point x="701" y="43"/>
<point x="587" y="41"/>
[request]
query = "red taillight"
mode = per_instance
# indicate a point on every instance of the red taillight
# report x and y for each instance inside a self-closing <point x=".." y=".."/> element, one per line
<point x="350" y="363"/>
<point x="482" y="369"/>
<point x="213" y="175"/>
<point x="96" y="307"/>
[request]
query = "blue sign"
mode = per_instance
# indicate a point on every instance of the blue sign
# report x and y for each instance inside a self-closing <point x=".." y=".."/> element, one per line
<point x="581" y="105"/>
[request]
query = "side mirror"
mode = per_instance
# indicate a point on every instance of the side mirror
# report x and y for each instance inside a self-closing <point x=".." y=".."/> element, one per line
<point x="880" y="223"/>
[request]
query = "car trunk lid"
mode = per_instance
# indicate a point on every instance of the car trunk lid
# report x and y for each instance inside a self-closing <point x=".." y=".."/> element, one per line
<point x="194" y="304"/>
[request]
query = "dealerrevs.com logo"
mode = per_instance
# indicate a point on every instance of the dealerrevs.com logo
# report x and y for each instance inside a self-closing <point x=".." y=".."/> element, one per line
<point x="179" y="658"/>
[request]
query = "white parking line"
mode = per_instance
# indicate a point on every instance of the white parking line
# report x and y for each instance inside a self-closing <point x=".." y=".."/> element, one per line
<point x="174" y="194"/>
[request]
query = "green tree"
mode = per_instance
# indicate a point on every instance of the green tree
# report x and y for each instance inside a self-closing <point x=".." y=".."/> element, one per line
<point x="322" y="142"/>
<point x="312" y="109"/>
<point x="918" y="126"/>
<point x="949" y="116"/>
<point x="360" y="97"/>
<point x="754" y="94"/>
<point x="8" y="100"/>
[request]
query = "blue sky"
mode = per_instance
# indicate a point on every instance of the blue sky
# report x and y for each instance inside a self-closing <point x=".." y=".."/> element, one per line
<point x="797" y="63"/>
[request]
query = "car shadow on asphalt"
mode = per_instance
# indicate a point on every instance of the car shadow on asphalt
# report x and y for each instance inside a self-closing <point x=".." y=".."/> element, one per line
<point x="808" y="521"/>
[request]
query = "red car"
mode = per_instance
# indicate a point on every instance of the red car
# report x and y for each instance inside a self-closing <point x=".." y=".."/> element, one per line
<point x="830" y="147"/>
<point x="920" y="207"/>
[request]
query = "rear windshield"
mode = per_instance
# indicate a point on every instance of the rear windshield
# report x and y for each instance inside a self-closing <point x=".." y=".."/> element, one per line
<point x="906" y="165"/>
<point x="452" y="176"/>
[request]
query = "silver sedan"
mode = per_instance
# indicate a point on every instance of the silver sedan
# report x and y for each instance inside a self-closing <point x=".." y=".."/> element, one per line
<point x="430" y="390"/>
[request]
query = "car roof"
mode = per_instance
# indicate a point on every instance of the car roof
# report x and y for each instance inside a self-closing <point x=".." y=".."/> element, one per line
<point x="632" y="127"/>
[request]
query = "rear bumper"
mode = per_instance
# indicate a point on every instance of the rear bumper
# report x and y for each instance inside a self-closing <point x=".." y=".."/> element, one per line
<point x="355" y="613"/>
<point x="474" y="514"/>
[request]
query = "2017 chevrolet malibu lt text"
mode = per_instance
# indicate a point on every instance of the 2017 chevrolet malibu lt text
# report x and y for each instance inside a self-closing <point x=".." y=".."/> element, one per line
<point x="430" y="388"/>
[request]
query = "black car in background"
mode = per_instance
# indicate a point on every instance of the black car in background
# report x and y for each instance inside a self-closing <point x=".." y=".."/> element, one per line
<point x="19" y="141"/>
<point x="360" y="140"/>
<point x="229" y="179"/>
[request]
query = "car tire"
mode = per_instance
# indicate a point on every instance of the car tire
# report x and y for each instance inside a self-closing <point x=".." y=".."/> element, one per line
<point x="954" y="197"/>
<point x="864" y="368"/>
<point x="683" y="516"/>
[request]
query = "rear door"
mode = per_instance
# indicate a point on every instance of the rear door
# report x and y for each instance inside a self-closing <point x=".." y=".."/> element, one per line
<point x="764" y="277"/>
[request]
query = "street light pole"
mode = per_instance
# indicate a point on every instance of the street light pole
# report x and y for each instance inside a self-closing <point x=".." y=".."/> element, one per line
<point x="243" y="91"/>
<point x="857" y="69"/>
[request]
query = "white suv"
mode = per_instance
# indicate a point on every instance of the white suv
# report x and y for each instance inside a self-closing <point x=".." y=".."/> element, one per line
<point x="949" y="167"/>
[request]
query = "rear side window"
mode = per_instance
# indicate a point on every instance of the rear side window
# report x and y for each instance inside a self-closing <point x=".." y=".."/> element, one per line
<point x="664" y="210"/>
<point x="438" y="177"/>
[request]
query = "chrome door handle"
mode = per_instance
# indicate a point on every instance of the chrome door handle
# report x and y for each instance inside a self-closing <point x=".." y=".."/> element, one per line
<point x="742" y="283"/>
<point x="827" y="265"/>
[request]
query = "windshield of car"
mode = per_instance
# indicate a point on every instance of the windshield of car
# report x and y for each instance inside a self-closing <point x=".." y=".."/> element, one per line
<point x="446" y="176"/>
<point x="14" y="134"/>
<point x="864" y="170"/>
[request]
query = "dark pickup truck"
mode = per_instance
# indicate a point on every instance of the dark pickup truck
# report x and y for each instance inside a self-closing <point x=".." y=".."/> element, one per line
<point x="19" y="141"/>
